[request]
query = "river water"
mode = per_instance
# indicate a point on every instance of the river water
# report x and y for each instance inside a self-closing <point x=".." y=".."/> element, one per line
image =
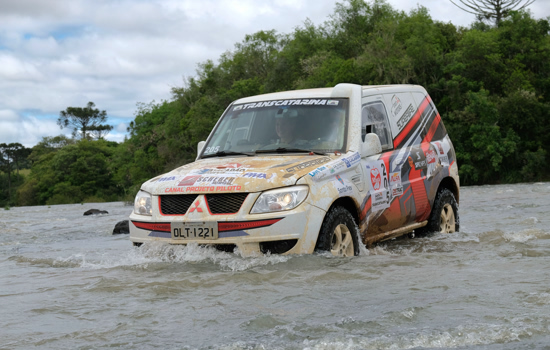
<point x="67" y="283"/>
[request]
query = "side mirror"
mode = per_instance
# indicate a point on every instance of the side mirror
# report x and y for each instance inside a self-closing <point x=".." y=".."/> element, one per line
<point x="371" y="145"/>
<point x="200" y="146"/>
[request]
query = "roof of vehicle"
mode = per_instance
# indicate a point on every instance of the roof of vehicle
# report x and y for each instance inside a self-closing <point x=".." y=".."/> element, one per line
<point x="323" y="92"/>
<point x="305" y="93"/>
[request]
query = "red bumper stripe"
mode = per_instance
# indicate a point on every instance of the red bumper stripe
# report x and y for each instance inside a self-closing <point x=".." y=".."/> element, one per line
<point x="222" y="226"/>
<point x="153" y="226"/>
<point x="245" y="225"/>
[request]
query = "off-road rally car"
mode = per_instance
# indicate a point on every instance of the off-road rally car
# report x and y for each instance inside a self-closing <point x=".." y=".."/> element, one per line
<point x="309" y="170"/>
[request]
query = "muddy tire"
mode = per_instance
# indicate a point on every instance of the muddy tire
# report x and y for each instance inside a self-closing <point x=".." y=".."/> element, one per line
<point x="444" y="215"/>
<point x="339" y="233"/>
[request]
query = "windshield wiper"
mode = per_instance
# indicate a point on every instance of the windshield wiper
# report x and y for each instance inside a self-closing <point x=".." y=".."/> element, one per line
<point x="289" y="150"/>
<point x="228" y="153"/>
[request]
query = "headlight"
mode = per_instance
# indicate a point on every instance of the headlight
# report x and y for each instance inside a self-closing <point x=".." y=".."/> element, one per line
<point x="142" y="204"/>
<point x="280" y="199"/>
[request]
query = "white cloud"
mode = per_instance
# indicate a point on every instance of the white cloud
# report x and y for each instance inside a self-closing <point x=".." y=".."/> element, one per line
<point x="8" y="116"/>
<point x="26" y="130"/>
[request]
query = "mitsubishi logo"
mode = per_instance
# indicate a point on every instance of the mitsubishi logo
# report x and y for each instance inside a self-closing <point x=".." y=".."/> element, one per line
<point x="196" y="207"/>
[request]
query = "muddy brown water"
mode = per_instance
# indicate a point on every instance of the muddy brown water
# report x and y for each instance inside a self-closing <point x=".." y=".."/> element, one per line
<point x="67" y="283"/>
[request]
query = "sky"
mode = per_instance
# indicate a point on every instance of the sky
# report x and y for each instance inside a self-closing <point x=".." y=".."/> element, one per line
<point x="116" y="53"/>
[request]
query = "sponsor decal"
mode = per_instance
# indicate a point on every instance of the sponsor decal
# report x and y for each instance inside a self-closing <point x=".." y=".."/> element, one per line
<point x="407" y="115"/>
<point x="380" y="191"/>
<point x="216" y="180"/>
<point x="378" y="175"/>
<point x="352" y="160"/>
<point x="396" y="106"/>
<point x="375" y="179"/>
<point x="395" y="178"/>
<point x="397" y="191"/>
<point x="342" y="186"/>
<point x="418" y="158"/>
<point x="431" y="156"/>
<point x="234" y="172"/>
<point x="395" y="184"/>
<point x="202" y="189"/>
<point x="167" y="178"/>
<point x="257" y="175"/>
<point x="317" y="171"/>
<point x="335" y="166"/>
<point x="279" y="103"/>
<point x="200" y="179"/>
<point x="229" y="168"/>
<point x="380" y="200"/>
<point x="189" y="180"/>
<point x="308" y="164"/>
<point x="441" y="149"/>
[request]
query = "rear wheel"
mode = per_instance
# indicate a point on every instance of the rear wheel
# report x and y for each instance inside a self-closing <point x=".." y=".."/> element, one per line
<point x="339" y="233"/>
<point x="444" y="215"/>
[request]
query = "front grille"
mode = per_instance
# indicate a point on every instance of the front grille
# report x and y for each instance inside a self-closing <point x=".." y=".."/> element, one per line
<point x="225" y="203"/>
<point x="176" y="204"/>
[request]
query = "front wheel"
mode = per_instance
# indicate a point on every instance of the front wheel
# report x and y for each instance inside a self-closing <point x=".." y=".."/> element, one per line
<point x="444" y="216"/>
<point x="339" y="233"/>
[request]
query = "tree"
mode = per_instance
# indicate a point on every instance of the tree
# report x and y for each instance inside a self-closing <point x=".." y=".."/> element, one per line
<point x="86" y="122"/>
<point x="9" y="154"/>
<point x="492" y="9"/>
<point x="74" y="173"/>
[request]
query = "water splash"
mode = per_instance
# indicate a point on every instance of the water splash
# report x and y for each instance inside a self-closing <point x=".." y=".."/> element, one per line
<point x="524" y="235"/>
<point x="150" y="253"/>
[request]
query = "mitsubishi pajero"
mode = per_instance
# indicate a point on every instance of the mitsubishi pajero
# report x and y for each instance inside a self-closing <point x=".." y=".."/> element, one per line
<point x="309" y="170"/>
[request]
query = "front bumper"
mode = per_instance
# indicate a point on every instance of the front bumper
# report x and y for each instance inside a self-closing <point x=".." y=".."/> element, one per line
<point x="300" y="225"/>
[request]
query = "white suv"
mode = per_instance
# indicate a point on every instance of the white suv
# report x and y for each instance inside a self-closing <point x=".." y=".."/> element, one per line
<point x="298" y="171"/>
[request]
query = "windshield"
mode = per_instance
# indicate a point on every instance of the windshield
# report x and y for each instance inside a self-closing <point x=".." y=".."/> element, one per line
<point x="298" y="125"/>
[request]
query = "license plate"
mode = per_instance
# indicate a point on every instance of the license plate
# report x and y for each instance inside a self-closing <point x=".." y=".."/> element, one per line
<point x="194" y="230"/>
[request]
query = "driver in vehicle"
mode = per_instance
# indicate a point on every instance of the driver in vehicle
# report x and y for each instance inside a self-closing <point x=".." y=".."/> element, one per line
<point x="285" y="126"/>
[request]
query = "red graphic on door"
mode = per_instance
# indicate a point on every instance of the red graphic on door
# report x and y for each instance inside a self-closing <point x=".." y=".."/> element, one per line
<point x="196" y="207"/>
<point x="375" y="179"/>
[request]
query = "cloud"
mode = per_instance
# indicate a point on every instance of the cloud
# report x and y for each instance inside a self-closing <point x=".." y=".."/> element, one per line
<point x="27" y="130"/>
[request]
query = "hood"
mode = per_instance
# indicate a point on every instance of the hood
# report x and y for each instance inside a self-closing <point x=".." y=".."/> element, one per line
<point x="237" y="174"/>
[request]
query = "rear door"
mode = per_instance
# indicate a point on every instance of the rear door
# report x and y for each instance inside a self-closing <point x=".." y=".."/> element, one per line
<point x="414" y="158"/>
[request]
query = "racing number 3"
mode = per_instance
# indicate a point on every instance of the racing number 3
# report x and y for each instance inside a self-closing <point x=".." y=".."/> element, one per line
<point x="194" y="232"/>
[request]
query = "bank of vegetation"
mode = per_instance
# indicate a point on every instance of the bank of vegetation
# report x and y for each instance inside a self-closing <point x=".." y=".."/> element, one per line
<point x="490" y="83"/>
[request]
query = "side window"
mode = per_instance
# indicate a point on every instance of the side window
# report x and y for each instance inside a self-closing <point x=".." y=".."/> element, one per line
<point x="374" y="116"/>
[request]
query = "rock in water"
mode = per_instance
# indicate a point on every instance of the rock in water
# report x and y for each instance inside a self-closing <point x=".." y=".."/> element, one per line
<point x="95" y="212"/>
<point x="122" y="227"/>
